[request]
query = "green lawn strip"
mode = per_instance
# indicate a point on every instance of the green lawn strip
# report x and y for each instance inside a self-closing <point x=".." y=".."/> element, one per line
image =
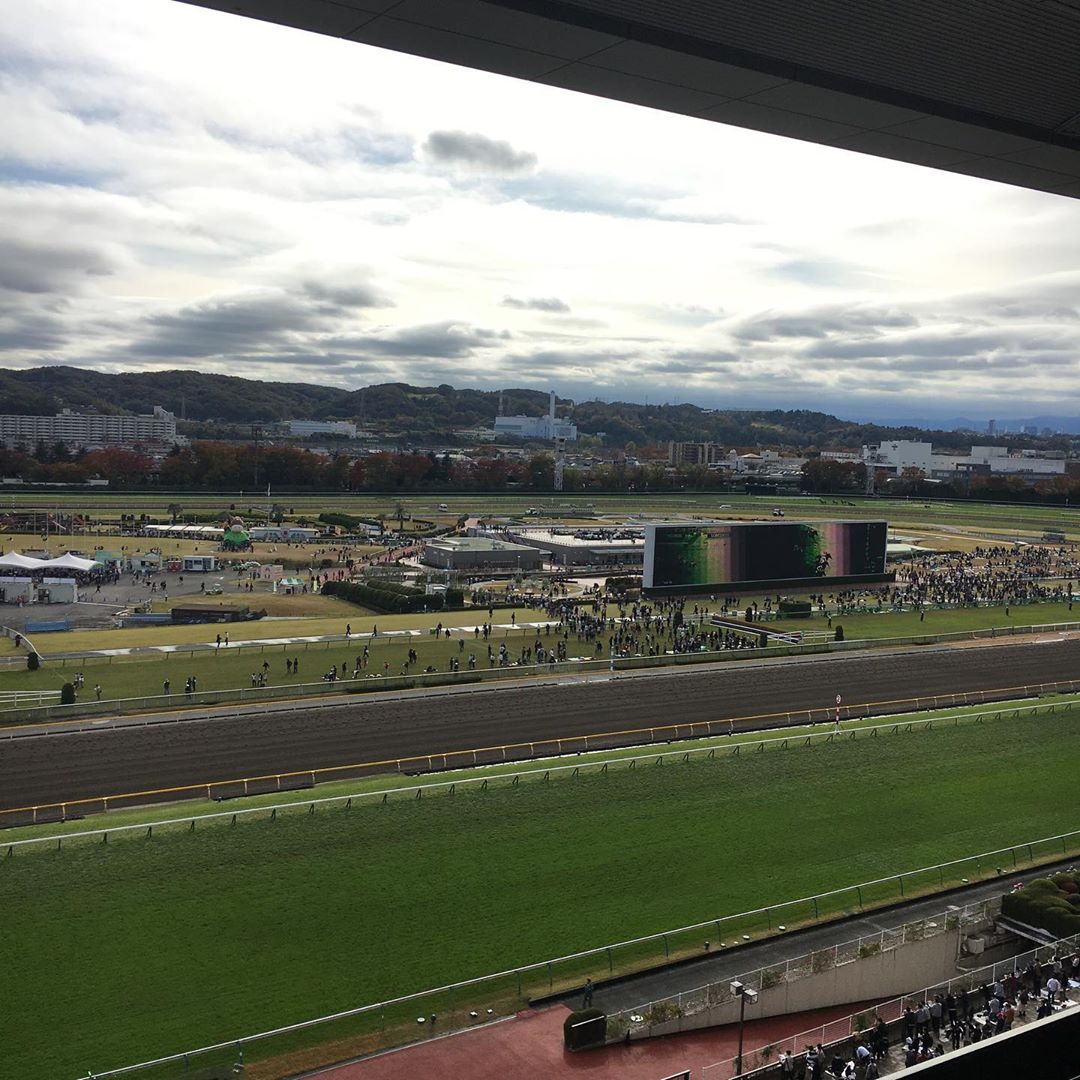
<point x="183" y="940"/>
<point x="937" y="621"/>
<point x="530" y="770"/>
<point x="231" y="668"/>
<point x="315" y="626"/>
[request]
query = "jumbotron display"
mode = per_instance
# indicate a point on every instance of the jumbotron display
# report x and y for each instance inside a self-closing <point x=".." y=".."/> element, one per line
<point x="733" y="554"/>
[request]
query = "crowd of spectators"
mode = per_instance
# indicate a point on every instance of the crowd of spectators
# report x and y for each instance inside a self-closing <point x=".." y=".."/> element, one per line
<point x="931" y="1027"/>
<point x="983" y="577"/>
<point x="988" y="575"/>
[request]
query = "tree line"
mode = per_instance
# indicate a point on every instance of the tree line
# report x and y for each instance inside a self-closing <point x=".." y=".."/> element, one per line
<point x="212" y="405"/>
<point x="231" y="466"/>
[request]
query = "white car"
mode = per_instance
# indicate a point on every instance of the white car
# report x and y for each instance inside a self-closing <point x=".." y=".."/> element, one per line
<point x="444" y="508"/>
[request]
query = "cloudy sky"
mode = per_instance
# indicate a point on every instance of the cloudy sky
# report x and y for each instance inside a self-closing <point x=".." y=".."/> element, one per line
<point x="185" y="189"/>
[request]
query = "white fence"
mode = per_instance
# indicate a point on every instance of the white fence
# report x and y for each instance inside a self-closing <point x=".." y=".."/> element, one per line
<point x="21" y="699"/>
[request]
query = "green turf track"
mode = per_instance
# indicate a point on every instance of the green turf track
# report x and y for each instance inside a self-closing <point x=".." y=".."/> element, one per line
<point x="118" y="953"/>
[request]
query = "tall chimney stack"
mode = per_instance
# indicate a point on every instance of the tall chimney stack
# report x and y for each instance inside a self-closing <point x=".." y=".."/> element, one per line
<point x="551" y="404"/>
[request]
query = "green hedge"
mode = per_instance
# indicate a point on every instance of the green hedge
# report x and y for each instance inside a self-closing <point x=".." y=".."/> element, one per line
<point x="392" y="597"/>
<point x="382" y="598"/>
<point x="1043" y="903"/>
<point x="593" y="1033"/>
<point x="346" y="521"/>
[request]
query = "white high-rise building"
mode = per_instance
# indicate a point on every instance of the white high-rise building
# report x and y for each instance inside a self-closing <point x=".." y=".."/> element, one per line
<point x="90" y="430"/>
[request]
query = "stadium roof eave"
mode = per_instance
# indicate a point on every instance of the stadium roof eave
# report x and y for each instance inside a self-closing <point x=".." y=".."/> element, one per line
<point x="990" y="90"/>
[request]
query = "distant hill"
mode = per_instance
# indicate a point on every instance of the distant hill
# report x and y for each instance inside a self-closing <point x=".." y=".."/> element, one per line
<point x="429" y="411"/>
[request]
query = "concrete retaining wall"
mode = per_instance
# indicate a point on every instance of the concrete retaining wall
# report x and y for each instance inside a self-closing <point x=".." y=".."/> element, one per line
<point x="884" y="975"/>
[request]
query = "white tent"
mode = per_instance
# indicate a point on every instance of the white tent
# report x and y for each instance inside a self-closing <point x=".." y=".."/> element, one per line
<point x="14" y="561"/>
<point x="72" y="562"/>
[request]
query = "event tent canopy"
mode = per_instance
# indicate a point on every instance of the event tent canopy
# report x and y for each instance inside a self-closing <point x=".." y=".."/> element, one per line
<point x="14" y="561"/>
<point x="71" y="562"/>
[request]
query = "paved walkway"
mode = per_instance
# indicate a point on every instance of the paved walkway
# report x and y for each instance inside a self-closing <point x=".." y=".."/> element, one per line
<point x="529" y="1046"/>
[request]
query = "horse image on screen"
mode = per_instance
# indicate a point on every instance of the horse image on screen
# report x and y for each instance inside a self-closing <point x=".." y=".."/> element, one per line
<point x="733" y="554"/>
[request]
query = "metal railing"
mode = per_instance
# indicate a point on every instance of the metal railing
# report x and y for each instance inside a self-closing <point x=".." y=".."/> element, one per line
<point x="41" y="813"/>
<point x="858" y="1023"/>
<point x="688" y="1003"/>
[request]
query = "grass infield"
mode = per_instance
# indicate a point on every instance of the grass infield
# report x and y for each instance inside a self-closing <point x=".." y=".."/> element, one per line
<point x="150" y="946"/>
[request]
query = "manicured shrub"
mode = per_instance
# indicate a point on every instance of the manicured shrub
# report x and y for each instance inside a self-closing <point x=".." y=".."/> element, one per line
<point x="67" y="694"/>
<point x="576" y="1037"/>
<point x="839" y="635"/>
<point x="1044" y="903"/>
<point x="33" y="661"/>
<point x="385" y="597"/>
<point x="794" y="609"/>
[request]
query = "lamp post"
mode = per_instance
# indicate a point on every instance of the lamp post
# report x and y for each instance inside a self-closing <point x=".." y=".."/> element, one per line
<point x="744" y="994"/>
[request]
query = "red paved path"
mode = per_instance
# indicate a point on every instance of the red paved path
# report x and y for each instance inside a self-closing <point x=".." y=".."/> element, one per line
<point x="529" y="1047"/>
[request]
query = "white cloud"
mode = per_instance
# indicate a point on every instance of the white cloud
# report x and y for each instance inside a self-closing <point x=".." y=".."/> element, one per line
<point x="313" y="209"/>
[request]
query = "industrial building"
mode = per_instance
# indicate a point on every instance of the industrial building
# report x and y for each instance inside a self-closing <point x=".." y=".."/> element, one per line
<point x="91" y="430"/>
<point x="480" y="553"/>
<point x="1030" y="465"/>
<point x="303" y="428"/>
<point x="537" y="427"/>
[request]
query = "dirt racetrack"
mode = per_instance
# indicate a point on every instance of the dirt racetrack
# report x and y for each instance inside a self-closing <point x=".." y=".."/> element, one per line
<point x="111" y="760"/>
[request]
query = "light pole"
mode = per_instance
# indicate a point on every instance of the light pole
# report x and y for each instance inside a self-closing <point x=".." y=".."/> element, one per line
<point x="744" y="994"/>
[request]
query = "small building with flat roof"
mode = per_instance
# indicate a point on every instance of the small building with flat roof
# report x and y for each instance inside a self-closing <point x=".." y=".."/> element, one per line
<point x="480" y="552"/>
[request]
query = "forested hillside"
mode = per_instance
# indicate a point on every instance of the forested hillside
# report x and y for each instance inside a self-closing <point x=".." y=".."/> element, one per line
<point x="432" y="411"/>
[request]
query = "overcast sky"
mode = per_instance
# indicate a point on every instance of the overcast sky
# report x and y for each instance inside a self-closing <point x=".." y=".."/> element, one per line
<point x="185" y="189"/>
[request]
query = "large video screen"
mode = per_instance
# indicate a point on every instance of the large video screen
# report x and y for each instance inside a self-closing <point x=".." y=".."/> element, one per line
<point x="743" y="553"/>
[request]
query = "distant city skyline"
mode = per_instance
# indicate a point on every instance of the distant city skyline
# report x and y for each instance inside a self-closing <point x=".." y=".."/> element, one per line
<point x="187" y="189"/>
